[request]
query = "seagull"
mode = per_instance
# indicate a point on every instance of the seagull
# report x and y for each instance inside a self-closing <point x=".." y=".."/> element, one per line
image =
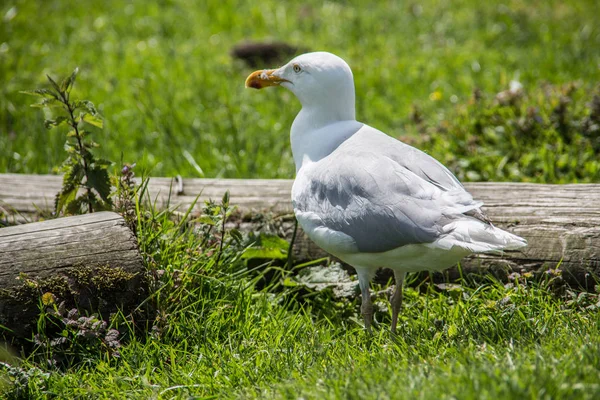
<point x="369" y="199"/>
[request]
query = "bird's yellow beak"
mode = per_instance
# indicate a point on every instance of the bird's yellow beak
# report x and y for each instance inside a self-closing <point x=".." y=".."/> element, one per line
<point x="263" y="78"/>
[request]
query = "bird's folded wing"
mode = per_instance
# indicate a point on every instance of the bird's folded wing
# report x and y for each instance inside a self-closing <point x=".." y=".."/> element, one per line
<point x="411" y="158"/>
<point x="378" y="203"/>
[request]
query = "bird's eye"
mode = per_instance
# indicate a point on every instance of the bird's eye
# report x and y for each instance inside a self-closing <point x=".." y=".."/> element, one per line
<point x="297" y="68"/>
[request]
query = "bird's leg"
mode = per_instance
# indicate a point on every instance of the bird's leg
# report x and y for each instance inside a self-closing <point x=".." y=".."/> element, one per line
<point x="396" y="299"/>
<point x="366" y="307"/>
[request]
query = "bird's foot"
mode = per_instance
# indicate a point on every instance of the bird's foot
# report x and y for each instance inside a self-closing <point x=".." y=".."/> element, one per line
<point x="367" y="313"/>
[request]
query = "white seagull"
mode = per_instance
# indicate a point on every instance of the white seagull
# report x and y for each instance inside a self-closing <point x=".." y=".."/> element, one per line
<point x="367" y="198"/>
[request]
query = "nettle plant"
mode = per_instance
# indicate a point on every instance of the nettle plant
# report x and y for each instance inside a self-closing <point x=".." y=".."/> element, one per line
<point x="86" y="183"/>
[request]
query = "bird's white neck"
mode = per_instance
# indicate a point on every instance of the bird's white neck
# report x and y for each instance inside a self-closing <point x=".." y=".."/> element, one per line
<point x="314" y="135"/>
<point x="326" y="119"/>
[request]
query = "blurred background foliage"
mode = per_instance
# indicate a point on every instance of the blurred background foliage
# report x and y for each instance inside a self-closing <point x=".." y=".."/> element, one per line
<point x="431" y="72"/>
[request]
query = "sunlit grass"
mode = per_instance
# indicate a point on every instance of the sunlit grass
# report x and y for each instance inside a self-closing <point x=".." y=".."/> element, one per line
<point x="217" y="335"/>
<point x="173" y="98"/>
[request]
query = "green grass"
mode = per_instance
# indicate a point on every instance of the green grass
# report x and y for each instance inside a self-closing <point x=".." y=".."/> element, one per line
<point x="161" y="73"/>
<point x="218" y="334"/>
<point x="172" y="97"/>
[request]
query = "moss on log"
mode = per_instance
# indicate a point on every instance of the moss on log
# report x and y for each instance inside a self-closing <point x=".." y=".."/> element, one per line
<point x="89" y="262"/>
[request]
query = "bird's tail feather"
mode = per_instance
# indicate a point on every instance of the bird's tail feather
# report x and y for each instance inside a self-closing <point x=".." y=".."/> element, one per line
<point x="459" y="202"/>
<point x="477" y="236"/>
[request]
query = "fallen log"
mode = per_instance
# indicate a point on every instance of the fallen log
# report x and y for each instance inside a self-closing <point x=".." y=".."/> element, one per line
<point x="561" y="222"/>
<point x="90" y="261"/>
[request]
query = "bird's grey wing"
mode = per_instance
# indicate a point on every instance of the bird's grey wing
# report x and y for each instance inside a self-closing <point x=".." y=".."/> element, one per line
<point x="372" y="199"/>
<point x="413" y="159"/>
<point x="424" y="166"/>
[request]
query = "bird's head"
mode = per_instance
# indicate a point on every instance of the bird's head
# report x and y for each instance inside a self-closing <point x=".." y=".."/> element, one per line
<point x="317" y="79"/>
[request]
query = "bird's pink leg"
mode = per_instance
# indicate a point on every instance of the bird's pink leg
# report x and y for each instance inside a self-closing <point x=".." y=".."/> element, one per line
<point x="366" y="307"/>
<point x="396" y="299"/>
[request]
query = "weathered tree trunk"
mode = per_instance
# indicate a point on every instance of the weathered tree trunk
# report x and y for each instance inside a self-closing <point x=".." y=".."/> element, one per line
<point x="89" y="261"/>
<point x="560" y="222"/>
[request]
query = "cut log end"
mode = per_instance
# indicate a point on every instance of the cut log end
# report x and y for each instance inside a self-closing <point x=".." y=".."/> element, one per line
<point x="90" y="262"/>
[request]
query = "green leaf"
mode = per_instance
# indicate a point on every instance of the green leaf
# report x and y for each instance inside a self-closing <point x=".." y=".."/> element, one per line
<point x="50" y="123"/>
<point x="267" y="246"/>
<point x="93" y="120"/>
<point x="73" y="173"/>
<point x="70" y="148"/>
<point x="88" y="144"/>
<point x="63" y="198"/>
<point x="51" y="102"/>
<point x="206" y="220"/>
<point x="71" y="182"/>
<point x="272" y="241"/>
<point x="53" y="83"/>
<point x="41" y="93"/>
<point x="236" y="235"/>
<point x="86" y="105"/>
<point x="47" y="102"/>
<point x="289" y="282"/>
<point x="225" y="200"/>
<point x="272" y="254"/>
<point x="97" y="204"/>
<point x="68" y="82"/>
<point x="256" y="252"/>
<point x="101" y="162"/>
<point x="99" y="181"/>
<point x="90" y="107"/>
<point x="75" y="206"/>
